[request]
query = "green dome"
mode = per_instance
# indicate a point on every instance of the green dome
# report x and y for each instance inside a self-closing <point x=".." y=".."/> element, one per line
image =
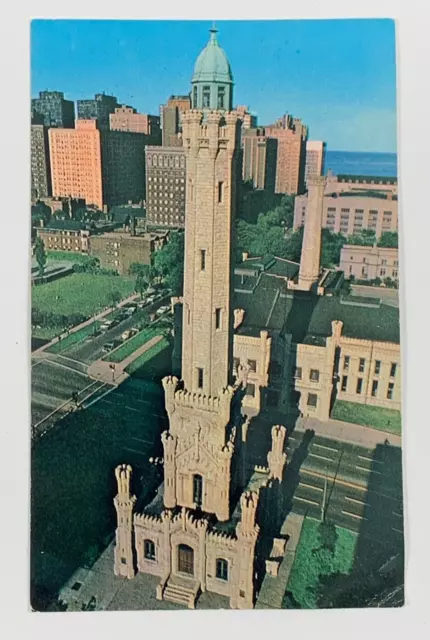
<point x="212" y="64"/>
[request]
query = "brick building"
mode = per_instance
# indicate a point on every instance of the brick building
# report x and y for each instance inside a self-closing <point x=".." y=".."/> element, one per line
<point x="52" y="110"/>
<point x="118" y="250"/>
<point x="98" y="108"/>
<point x="40" y="164"/>
<point x="369" y="263"/>
<point x="259" y="157"/>
<point x="315" y="158"/>
<point x="165" y="186"/>
<point x="248" y="120"/>
<point x="127" y="119"/>
<point x="103" y="167"/>
<point x="349" y="212"/>
<point x="291" y="135"/>
<point x="171" y="119"/>
<point x="65" y="235"/>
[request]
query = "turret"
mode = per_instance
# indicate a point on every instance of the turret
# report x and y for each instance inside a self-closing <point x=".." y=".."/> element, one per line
<point x="124" y="505"/>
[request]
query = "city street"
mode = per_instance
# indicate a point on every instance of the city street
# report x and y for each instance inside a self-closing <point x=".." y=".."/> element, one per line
<point x="387" y="295"/>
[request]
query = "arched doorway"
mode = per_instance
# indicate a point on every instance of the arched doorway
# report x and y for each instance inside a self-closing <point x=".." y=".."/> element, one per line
<point x="185" y="559"/>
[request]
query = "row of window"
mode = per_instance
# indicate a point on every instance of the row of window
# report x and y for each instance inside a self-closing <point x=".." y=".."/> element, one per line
<point x="185" y="559"/>
<point x="362" y="364"/>
<point x="314" y="374"/>
<point x="206" y="97"/>
<point x="374" y="391"/>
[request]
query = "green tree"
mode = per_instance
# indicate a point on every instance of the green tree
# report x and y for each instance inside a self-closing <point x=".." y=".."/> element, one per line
<point x="115" y="297"/>
<point x="169" y="263"/>
<point x="145" y="275"/>
<point x="389" y="239"/>
<point x="40" y="255"/>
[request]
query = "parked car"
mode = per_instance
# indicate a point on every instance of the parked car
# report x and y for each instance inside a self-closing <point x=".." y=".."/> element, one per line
<point x="108" y="347"/>
<point x="162" y="310"/>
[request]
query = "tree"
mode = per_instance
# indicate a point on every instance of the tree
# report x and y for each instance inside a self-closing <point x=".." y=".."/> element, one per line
<point x="389" y="239"/>
<point x="40" y="255"/>
<point x="169" y="263"/>
<point x="115" y="297"/>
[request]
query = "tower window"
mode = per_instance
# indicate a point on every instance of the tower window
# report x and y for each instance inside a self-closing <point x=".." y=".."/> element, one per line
<point x="250" y="390"/>
<point x="200" y="377"/>
<point x="206" y="97"/>
<point x="220" y="191"/>
<point x="252" y="365"/>
<point x="221" y="569"/>
<point x="312" y="400"/>
<point x="195" y="97"/>
<point x="197" y="489"/>
<point x="149" y="549"/>
<point x="217" y="318"/>
<point x="221" y="97"/>
<point x="314" y="375"/>
<point x="203" y="259"/>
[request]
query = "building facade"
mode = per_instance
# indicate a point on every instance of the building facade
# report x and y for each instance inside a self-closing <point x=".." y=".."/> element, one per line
<point x="351" y="213"/>
<point x="65" y="236"/>
<point x="119" y="250"/>
<point x="315" y="158"/>
<point x="259" y="157"/>
<point x="40" y="165"/>
<point x="357" y="184"/>
<point x="291" y="135"/>
<point x="369" y="263"/>
<point x="165" y="186"/>
<point x="98" y="108"/>
<point x="52" y="110"/>
<point x="171" y="119"/>
<point x="127" y="119"/>
<point x="105" y="168"/>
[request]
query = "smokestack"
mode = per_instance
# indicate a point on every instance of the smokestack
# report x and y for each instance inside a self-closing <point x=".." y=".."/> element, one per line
<point x="311" y="248"/>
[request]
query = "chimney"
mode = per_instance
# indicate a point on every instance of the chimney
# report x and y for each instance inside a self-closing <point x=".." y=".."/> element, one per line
<point x="311" y="248"/>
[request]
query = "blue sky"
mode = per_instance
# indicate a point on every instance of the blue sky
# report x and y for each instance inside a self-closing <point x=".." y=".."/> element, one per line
<point x="337" y="75"/>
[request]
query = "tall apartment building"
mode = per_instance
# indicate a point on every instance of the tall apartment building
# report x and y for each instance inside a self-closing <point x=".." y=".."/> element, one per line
<point x="98" y="108"/>
<point x="315" y="158"/>
<point x="369" y="263"/>
<point x="165" y="186"/>
<point x="171" y="119"/>
<point x="127" y="119"/>
<point x="103" y="167"/>
<point x="259" y="155"/>
<point x="291" y="135"/>
<point x="350" y="213"/>
<point x="52" y="110"/>
<point x="40" y="166"/>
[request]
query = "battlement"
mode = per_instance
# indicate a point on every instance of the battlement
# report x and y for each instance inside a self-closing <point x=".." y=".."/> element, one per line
<point x="186" y="518"/>
<point x="196" y="400"/>
<point x="123" y="478"/>
<point x="221" y="537"/>
<point x="316" y="181"/>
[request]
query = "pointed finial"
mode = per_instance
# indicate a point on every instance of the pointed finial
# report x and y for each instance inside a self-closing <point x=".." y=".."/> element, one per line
<point x="213" y="32"/>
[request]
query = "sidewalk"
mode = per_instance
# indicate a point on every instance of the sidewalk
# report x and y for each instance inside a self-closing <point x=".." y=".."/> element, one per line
<point x="102" y="314"/>
<point x="102" y="370"/>
<point x="348" y="432"/>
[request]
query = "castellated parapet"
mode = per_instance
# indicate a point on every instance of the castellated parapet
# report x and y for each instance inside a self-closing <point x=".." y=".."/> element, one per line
<point x="124" y="504"/>
<point x="276" y="457"/>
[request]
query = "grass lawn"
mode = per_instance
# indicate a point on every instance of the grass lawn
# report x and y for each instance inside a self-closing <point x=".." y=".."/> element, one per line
<point x="132" y="344"/>
<point x="307" y="569"/>
<point x="369" y="416"/>
<point x="154" y="363"/>
<point x="66" y="255"/>
<point x="80" y="293"/>
<point x="73" y="338"/>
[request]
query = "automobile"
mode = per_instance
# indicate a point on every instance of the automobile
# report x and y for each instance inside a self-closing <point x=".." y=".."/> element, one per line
<point x="105" y="326"/>
<point x="162" y="310"/>
<point x="150" y="300"/>
<point x="108" y="347"/>
<point x="126" y="335"/>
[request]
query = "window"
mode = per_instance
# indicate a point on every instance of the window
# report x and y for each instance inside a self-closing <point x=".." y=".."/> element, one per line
<point x="314" y="375"/>
<point x="195" y="97"/>
<point x="344" y="383"/>
<point x="359" y="385"/>
<point x="221" y="97"/>
<point x="361" y="365"/>
<point x="250" y="390"/>
<point x="382" y="272"/>
<point x="203" y="259"/>
<point x="346" y="363"/>
<point x="384" y="262"/>
<point x="199" y="378"/>
<point x="390" y="390"/>
<point x="77" y="586"/>
<point x="220" y="191"/>
<point x="312" y="400"/>
<point x="374" y="388"/>
<point x="123" y="560"/>
<point x="149" y="549"/>
<point x="221" y="569"/>
<point x="197" y="489"/>
<point x="252" y="365"/>
<point x="206" y="97"/>
<point x="393" y="369"/>
<point x="236" y="363"/>
<point x="377" y="367"/>
<point x="298" y="373"/>
<point x="217" y="318"/>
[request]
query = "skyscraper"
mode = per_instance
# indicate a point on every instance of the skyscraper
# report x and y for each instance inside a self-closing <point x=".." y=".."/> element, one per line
<point x="40" y="166"/>
<point x="52" y="110"/>
<point x="98" y="108"/>
<point x="128" y="119"/>
<point x="291" y="134"/>
<point x="259" y="159"/>
<point x="171" y="119"/>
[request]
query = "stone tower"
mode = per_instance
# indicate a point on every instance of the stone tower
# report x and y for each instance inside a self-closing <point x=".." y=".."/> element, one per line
<point x="124" y="505"/>
<point x="311" y="249"/>
<point x="201" y="440"/>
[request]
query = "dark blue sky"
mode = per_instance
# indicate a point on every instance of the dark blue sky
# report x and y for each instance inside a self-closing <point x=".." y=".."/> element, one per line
<point x="337" y="75"/>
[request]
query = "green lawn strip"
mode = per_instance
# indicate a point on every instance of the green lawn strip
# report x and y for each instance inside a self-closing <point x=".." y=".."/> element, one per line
<point x="73" y="338"/>
<point x="368" y="416"/>
<point x="309" y="565"/>
<point x="46" y="333"/>
<point x="132" y="344"/>
<point x="67" y="255"/>
<point x="147" y="356"/>
<point x="80" y="293"/>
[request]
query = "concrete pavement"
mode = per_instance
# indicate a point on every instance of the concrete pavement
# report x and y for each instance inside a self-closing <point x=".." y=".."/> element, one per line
<point x="348" y="432"/>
